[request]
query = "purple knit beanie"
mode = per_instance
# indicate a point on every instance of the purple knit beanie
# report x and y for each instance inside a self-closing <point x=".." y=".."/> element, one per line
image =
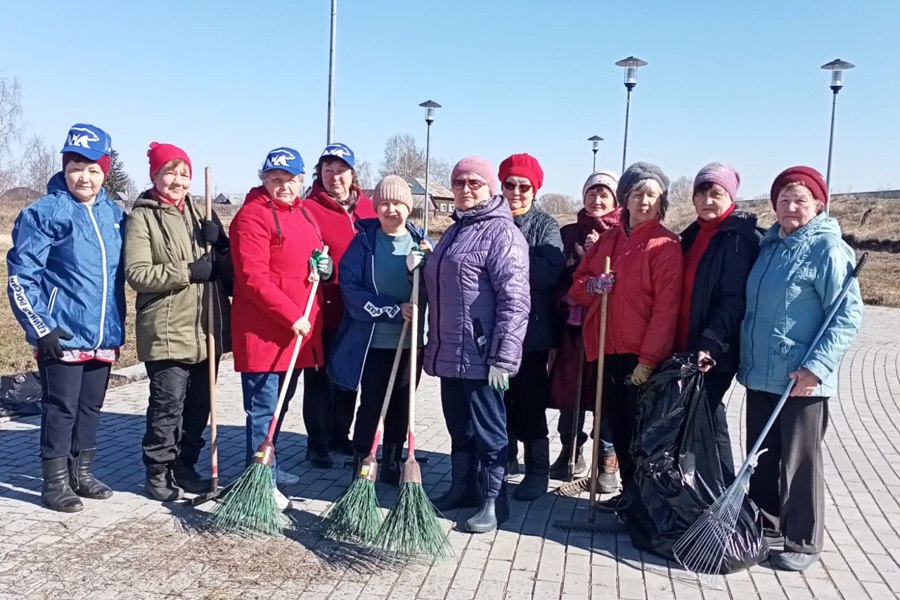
<point x="479" y="166"/>
<point x="722" y="174"/>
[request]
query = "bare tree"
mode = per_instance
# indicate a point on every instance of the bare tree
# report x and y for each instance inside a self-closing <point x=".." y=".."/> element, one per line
<point x="10" y="113"/>
<point x="364" y="174"/>
<point x="402" y="157"/>
<point x="439" y="171"/>
<point x="681" y="191"/>
<point x="558" y="204"/>
<point x="38" y="164"/>
<point x="8" y="179"/>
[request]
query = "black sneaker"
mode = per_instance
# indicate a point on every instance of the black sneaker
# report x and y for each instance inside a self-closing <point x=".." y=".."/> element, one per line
<point x="618" y="503"/>
<point x="319" y="458"/>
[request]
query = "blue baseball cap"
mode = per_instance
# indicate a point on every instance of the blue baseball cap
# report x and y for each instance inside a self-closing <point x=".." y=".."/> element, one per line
<point x="286" y="159"/>
<point x="87" y="140"/>
<point x="341" y="151"/>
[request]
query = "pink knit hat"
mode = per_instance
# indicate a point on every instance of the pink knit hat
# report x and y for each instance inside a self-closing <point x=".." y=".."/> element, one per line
<point x="722" y="174"/>
<point x="479" y="166"/>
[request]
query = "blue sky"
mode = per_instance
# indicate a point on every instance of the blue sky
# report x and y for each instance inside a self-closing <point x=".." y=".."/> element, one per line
<point x="737" y="82"/>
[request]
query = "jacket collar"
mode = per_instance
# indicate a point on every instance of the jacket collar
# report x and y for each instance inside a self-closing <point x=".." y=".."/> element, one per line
<point x="821" y="224"/>
<point x="492" y="208"/>
<point x="57" y="186"/>
<point x="368" y="229"/>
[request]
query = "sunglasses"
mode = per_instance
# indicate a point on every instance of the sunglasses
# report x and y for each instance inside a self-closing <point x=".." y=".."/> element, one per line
<point x="523" y="187"/>
<point x="474" y="184"/>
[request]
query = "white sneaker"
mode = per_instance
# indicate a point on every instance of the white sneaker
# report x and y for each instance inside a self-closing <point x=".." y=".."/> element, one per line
<point x="285" y="478"/>
<point x="282" y="502"/>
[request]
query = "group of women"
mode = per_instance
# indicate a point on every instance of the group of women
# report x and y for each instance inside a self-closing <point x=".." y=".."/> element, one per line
<point x="513" y="311"/>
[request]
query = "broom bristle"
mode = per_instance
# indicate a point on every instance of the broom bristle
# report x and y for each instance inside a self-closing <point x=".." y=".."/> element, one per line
<point x="355" y="516"/>
<point x="249" y="508"/>
<point x="412" y="527"/>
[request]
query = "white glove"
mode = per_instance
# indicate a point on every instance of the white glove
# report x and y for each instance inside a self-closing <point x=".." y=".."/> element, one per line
<point x="415" y="259"/>
<point x="498" y="379"/>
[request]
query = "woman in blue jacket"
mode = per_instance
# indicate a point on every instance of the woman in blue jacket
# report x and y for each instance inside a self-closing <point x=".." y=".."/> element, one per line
<point x="376" y="287"/>
<point x="802" y="266"/>
<point x="66" y="288"/>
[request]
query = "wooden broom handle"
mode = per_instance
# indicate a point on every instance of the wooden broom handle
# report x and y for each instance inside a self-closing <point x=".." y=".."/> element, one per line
<point x="211" y="347"/>
<point x="598" y="398"/>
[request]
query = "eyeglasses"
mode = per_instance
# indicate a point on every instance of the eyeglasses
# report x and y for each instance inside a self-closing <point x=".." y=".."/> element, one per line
<point x="523" y="187"/>
<point x="474" y="184"/>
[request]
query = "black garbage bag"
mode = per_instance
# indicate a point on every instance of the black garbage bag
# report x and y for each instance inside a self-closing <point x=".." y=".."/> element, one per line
<point x="20" y="394"/>
<point x="678" y="471"/>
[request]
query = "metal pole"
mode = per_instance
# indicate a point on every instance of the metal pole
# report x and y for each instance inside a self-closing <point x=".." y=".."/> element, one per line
<point x="625" y="141"/>
<point x="426" y="202"/>
<point x="595" y="161"/>
<point x="830" y="147"/>
<point x="331" y="69"/>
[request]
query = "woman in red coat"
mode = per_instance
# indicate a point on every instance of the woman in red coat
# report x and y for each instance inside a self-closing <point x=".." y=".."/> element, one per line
<point x="644" y="294"/>
<point x="271" y="239"/>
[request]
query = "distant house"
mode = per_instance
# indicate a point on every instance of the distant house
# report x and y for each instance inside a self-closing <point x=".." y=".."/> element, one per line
<point x="441" y="198"/>
<point x="20" y="194"/>
<point x="232" y="199"/>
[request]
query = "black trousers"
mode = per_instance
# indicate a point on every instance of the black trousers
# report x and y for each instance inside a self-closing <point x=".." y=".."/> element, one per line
<point x="716" y="386"/>
<point x="619" y="406"/>
<point x="788" y="484"/>
<point x="327" y="409"/>
<point x="177" y="412"/>
<point x="71" y="399"/>
<point x="375" y="377"/>
<point x="527" y="396"/>
<point x="476" y="419"/>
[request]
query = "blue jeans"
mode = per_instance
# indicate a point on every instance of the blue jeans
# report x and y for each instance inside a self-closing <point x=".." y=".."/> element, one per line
<point x="260" y="397"/>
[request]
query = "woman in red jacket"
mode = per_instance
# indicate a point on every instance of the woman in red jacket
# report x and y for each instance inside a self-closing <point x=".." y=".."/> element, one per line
<point x="644" y="290"/>
<point x="271" y="238"/>
<point x="336" y="203"/>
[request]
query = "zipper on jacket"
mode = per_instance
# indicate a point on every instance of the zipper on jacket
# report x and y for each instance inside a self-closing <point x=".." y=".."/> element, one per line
<point x="372" y="332"/>
<point x="52" y="301"/>
<point x="437" y="298"/>
<point x="197" y="319"/>
<point x="103" y="266"/>
<point x="756" y="311"/>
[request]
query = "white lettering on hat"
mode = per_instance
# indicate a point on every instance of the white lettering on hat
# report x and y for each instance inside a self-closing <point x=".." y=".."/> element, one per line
<point x="338" y="151"/>
<point x="82" y="139"/>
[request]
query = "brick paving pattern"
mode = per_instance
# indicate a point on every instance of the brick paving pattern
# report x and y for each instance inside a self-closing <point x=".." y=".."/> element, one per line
<point x="131" y="547"/>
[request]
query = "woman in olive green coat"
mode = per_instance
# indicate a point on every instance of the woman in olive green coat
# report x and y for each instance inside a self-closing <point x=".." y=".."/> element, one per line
<point x="167" y="264"/>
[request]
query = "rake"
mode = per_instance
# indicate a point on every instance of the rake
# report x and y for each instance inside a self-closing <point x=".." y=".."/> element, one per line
<point x="701" y="550"/>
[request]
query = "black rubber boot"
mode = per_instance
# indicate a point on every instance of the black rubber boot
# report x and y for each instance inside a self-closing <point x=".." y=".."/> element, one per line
<point x="537" y="470"/>
<point x="56" y="493"/>
<point x="464" y="491"/>
<point x="512" y="451"/>
<point x="391" y="464"/>
<point x="187" y="478"/>
<point x="494" y="507"/>
<point x="160" y="485"/>
<point x="83" y="483"/>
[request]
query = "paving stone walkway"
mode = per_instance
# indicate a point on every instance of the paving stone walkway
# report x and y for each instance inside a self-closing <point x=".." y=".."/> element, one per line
<point x="131" y="547"/>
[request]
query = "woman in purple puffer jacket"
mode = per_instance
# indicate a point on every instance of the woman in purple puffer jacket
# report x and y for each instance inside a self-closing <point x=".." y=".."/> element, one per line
<point x="478" y="294"/>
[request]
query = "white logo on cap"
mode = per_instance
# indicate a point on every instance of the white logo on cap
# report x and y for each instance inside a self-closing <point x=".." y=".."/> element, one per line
<point x="339" y="151"/>
<point x="82" y="140"/>
<point x="279" y="159"/>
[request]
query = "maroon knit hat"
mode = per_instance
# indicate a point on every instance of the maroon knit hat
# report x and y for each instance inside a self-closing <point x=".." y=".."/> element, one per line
<point x="523" y="165"/>
<point x="808" y="176"/>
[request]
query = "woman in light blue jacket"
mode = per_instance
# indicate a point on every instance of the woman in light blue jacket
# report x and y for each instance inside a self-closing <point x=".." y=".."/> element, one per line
<point x="802" y="266"/>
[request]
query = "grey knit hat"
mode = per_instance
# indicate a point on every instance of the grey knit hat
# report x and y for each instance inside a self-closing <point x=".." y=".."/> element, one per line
<point x="393" y="189"/>
<point x="605" y="178"/>
<point x="636" y="173"/>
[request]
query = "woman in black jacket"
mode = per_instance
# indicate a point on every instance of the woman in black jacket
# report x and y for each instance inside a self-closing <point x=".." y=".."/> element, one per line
<point x="526" y="399"/>
<point x="720" y="248"/>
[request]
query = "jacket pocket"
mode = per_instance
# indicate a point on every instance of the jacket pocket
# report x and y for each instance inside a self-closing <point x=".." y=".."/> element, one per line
<point x="478" y="336"/>
<point x="786" y="356"/>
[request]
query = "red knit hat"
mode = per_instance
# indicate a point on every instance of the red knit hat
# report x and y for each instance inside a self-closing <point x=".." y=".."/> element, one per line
<point x="160" y="154"/>
<point x="808" y="176"/>
<point x="522" y="165"/>
<point x="103" y="162"/>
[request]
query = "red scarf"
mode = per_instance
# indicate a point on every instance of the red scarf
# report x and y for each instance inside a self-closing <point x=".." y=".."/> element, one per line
<point x="708" y="230"/>
<point x="179" y="204"/>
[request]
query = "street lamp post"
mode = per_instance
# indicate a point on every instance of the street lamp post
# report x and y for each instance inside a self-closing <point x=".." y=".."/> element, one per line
<point x="595" y="145"/>
<point x="429" y="106"/>
<point x="631" y="65"/>
<point x="837" y="67"/>
<point x="331" y="68"/>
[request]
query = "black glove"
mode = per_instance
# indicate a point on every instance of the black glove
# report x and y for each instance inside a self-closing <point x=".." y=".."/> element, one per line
<point x="49" y="346"/>
<point x="202" y="270"/>
<point x="213" y="233"/>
